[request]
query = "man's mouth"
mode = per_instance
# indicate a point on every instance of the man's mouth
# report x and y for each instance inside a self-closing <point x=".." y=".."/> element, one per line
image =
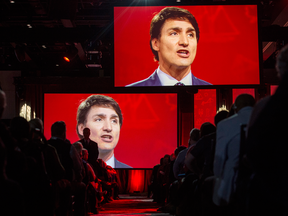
<point x="106" y="138"/>
<point x="183" y="53"/>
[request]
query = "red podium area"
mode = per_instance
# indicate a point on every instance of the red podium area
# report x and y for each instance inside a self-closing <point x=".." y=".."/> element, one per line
<point x="133" y="180"/>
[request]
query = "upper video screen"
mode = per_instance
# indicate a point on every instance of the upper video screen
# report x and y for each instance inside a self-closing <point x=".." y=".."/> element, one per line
<point x="132" y="130"/>
<point x="186" y="45"/>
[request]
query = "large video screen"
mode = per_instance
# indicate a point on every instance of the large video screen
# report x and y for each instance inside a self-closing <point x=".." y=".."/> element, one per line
<point x="148" y="132"/>
<point x="227" y="52"/>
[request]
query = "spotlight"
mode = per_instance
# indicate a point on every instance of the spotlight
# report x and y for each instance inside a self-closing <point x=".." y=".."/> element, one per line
<point x="70" y="54"/>
<point x="67" y="59"/>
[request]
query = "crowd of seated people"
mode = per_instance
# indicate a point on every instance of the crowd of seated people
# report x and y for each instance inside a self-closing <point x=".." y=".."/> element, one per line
<point x="49" y="177"/>
<point x="238" y="166"/>
<point x="204" y="174"/>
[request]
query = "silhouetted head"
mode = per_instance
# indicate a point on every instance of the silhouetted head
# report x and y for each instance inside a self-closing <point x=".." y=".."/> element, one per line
<point x="20" y="128"/>
<point x="243" y="100"/>
<point x="207" y="128"/>
<point x="194" y="136"/>
<point x="79" y="147"/>
<point x="36" y="124"/>
<point x="179" y="149"/>
<point x="58" y="129"/>
<point x="166" y="159"/>
<point x="86" y="133"/>
<point x="220" y="116"/>
<point x="85" y="154"/>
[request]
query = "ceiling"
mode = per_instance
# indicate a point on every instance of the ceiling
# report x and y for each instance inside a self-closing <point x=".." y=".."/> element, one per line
<point x="35" y="34"/>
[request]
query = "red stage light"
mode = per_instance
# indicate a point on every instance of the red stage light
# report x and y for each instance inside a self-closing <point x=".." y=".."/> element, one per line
<point x="66" y="59"/>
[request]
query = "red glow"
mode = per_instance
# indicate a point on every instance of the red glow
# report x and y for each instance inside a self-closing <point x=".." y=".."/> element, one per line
<point x="66" y="59"/>
<point x="273" y="89"/>
<point x="204" y="107"/>
<point x="137" y="180"/>
<point x="237" y="92"/>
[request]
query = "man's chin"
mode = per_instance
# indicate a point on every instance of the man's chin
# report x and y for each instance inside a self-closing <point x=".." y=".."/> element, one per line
<point x="105" y="149"/>
<point x="184" y="64"/>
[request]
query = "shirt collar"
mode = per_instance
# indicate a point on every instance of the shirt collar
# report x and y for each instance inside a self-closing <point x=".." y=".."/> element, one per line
<point x="167" y="80"/>
<point x="111" y="161"/>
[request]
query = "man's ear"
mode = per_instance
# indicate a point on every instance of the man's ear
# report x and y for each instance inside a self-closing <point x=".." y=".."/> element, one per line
<point x="155" y="44"/>
<point x="80" y="129"/>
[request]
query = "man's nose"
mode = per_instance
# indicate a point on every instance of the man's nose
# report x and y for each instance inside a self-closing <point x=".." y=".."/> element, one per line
<point x="183" y="40"/>
<point x="107" y="126"/>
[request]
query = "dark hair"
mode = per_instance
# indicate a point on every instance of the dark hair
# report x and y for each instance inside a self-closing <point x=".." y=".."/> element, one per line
<point x="221" y="115"/>
<point x="244" y="100"/>
<point x="195" y="134"/>
<point x="178" y="150"/>
<point x="36" y="123"/>
<point x="159" y="19"/>
<point x="20" y="128"/>
<point x="58" y="129"/>
<point x="86" y="129"/>
<point x="96" y="100"/>
<point x="78" y="146"/>
<point x="207" y="128"/>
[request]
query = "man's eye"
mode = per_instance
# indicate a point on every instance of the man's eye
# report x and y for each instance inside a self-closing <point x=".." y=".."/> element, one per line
<point x="173" y="33"/>
<point x="114" y="121"/>
<point x="191" y="35"/>
<point x="97" y="119"/>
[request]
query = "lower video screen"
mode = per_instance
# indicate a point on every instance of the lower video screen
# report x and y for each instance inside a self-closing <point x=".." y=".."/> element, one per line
<point x="148" y="130"/>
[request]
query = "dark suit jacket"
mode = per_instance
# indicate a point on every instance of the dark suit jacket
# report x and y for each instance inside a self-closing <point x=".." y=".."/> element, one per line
<point x="63" y="151"/>
<point x="119" y="164"/>
<point x="154" y="80"/>
<point x="92" y="150"/>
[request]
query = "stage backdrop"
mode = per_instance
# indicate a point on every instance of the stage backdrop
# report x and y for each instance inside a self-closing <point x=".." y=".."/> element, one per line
<point x="149" y="129"/>
<point x="227" y="51"/>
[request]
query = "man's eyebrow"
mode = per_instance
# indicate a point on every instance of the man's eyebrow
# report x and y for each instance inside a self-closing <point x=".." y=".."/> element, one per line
<point x="114" y="116"/>
<point x="190" y="29"/>
<point x="180" y="29"/>
<point x="99" y="114"/>
<point x="104" y="115"/>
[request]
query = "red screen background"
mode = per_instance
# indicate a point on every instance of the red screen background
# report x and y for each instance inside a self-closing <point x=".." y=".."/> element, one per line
<point x="237" y="92"/>
<point x="149" y="129"/>
<point x="204" y="107"/>
<point x="227" y="52"/>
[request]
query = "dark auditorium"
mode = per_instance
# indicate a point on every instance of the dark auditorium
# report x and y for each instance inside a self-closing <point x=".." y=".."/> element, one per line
<point x="143" y="107"/>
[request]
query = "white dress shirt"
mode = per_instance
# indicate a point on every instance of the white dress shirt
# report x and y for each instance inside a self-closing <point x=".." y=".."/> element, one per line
<point x="167" y="80"/>
<point x="111" y="162"/>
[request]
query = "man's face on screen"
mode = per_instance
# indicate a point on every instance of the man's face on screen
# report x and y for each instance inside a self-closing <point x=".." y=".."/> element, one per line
<point x="176" y="46"/>
<point x="104" y="126"/>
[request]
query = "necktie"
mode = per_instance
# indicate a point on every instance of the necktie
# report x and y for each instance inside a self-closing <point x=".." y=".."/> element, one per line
<point x="179" y="84"/>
